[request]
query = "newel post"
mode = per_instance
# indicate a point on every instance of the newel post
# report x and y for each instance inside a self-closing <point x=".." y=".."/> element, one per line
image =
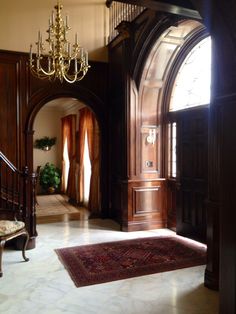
<point x="28" y="206"/>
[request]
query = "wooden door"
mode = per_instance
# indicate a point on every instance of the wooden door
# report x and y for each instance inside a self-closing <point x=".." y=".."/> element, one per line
<point x="192" y="168"/>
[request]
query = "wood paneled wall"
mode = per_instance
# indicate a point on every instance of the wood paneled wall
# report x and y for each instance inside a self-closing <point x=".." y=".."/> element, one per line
<point x="138" y="193"/>
<point x="129" y="120"/>
<point x="219" y="18"/>
<point x="22" y="96"/>
<point x="137" y="76"/>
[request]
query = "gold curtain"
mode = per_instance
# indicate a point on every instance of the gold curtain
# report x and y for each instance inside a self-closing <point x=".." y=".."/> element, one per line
<point x="80" y="155"/>
<point x="68" y="133"/>
<point x="93" y="146"/>
<point x="88" y="123"/>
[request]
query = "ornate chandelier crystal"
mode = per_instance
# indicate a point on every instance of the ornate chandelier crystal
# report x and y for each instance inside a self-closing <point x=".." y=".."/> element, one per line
<point x="63" y="60"/>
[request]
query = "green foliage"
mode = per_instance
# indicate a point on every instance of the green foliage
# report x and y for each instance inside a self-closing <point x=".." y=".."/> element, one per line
<point x="50" y="176"/>
<point x="44" y="142"/>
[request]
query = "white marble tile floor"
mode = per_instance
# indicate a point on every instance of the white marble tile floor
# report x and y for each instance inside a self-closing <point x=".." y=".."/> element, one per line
<point x="43" y="286"/>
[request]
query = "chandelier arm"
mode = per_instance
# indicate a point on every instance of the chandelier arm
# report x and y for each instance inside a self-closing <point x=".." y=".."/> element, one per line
<point x="72" y="79"/>
<point x="67" y="79"/>
<point x="38" y="75"/>
<point x="47" y="73"/>
<point x="79" y="78"/>
<point x="82" y="76"/>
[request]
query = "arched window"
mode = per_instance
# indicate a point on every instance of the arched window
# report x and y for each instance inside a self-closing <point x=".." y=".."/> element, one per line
<point x="192" y="84"/>
<point x="191" y="88"/>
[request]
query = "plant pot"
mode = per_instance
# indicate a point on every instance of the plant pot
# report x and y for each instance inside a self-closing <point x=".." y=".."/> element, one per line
<point x="51" y="190"/>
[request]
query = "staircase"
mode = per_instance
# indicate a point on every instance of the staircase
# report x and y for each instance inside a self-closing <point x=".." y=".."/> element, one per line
<point x="17" y="195"/>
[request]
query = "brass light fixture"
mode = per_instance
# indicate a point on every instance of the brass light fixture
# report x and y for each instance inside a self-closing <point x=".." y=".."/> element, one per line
<point x="63" y="60"/>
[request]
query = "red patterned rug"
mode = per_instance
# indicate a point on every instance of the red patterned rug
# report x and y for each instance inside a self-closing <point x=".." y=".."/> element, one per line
<point x="104" y="262"/>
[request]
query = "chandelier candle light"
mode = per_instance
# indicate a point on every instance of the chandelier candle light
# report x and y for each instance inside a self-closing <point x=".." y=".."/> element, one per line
<point x="62" y="61"/>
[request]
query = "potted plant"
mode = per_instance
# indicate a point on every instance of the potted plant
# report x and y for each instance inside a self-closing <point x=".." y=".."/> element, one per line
<point x="50" y="177"/>
<point x="45" y="143"/>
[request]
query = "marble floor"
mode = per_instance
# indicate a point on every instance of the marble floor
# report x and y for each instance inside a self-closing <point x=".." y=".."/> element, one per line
<point x="43" y="286"/>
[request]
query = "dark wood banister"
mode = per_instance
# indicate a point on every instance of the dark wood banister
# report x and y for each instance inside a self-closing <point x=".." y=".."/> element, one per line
<point x="17" y="194"/>
<point x="179" y="7"/>
<point x="7" y="161"/>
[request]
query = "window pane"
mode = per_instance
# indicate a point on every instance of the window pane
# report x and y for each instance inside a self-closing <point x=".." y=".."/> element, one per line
<point x="172" y="150"/>
<point x="87" y="170"/>
<point x="192" y="84"/>
<point x="67" y="164"/>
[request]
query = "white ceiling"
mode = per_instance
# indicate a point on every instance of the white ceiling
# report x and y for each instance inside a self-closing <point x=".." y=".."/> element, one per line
<point x="63" y="104"/>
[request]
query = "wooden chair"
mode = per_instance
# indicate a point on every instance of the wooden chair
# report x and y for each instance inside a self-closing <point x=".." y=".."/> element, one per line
<point x="10" y="229"/>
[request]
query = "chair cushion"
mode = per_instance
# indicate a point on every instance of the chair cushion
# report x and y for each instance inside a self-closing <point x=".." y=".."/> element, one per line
<point x="10" y="226"/>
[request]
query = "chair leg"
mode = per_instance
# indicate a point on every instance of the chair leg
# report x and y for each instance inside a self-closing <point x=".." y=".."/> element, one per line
<point x="2" y="244"/>
<point x="25" y="246"/>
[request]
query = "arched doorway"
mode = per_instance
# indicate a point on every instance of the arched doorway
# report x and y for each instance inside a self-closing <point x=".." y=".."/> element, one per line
<point x="76" y="156"/>
<point x="187" y="133"/>
<point x="96" y="106"/>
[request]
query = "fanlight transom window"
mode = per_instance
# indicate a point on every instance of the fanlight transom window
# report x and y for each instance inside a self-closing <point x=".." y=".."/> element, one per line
<point x="192" y="84"/>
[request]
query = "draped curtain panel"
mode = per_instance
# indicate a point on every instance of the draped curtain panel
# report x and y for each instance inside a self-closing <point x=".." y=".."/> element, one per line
<point x="80" y="155"/>
<point x="68" y="133"/>
<point x="88" y="123"/>
<point x="94" y="155"/>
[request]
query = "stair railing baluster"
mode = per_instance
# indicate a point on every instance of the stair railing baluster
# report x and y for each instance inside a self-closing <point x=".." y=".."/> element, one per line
<point x="119" y="12"/>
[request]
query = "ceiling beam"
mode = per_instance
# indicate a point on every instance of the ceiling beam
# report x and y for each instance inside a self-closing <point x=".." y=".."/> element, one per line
<point x="173" y="7"/>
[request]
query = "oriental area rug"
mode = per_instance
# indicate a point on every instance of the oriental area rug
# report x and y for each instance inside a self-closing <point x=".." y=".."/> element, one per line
<point x="54" y="204"/>
<point x="104" y="262"/>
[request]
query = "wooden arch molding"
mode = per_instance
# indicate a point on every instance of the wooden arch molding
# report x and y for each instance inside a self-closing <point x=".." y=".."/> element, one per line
<point x="150" y="34"/>
<point x="45" y="95"/>
<point x="89" y="99"/>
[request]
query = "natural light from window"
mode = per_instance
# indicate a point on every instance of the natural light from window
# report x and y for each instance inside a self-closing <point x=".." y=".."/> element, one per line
<point x="193" y="81"/>
<point x="87" y="170"/>
<point x="172" y="166"/>
<point x="67" y="164"/>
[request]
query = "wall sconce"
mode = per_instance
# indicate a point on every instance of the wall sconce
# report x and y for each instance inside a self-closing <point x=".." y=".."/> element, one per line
<point x="151" y="138"/>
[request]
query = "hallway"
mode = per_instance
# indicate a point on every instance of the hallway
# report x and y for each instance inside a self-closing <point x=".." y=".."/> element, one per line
<point x="55" y="208"/>
<point x="43" y="285"/>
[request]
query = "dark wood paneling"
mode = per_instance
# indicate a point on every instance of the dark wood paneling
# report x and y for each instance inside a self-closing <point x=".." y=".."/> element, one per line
<point x="22" y="96"/>
<point x="227" y="217"/>
<point x="10" y="107"/>
<point x="147" y="200"/>
<point x="219" y="18"/>
<point x="192" y="160"/>
<point x="171" y="204"/>
<point x="146" y="205"/>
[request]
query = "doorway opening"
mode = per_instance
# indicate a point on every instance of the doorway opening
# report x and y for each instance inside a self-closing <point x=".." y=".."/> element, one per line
<point x="188" y="140"/>
<point x="61" y="118"/>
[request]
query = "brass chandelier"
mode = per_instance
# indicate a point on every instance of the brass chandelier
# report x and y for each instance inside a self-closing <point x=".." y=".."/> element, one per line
<point x="63" y="60"/>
